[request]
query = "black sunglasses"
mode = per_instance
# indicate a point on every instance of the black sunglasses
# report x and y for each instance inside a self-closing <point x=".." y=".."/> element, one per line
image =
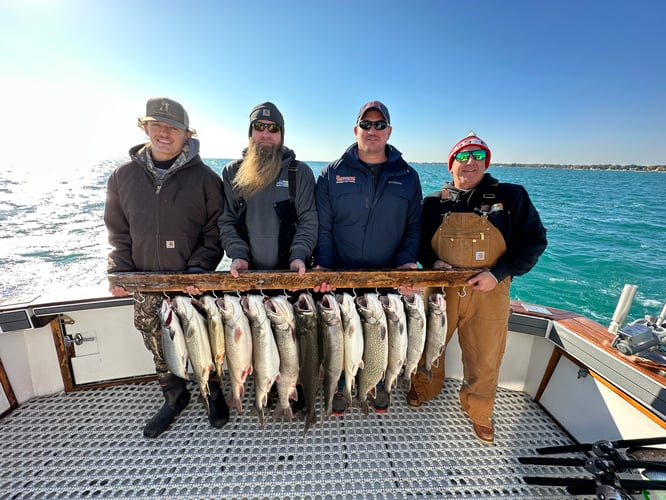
<point x="367" y="124"/>
<point x="261" y="126"/>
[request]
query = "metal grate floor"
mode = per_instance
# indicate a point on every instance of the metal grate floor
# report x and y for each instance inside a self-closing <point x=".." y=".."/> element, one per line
<point x="88" y="444"/>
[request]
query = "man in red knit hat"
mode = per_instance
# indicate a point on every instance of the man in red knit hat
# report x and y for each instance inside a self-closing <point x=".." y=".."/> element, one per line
<point x="475" y="221"/>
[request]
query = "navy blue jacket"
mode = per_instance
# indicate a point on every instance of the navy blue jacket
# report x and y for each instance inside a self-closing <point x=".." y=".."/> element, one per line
<point x="363" y="227"/>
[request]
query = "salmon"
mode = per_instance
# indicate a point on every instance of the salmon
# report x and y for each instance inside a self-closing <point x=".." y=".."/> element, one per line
<point x="281" y="314"/>
<point x="173" y="341"/>
<point x="238" y="347"/>
<point x="396" y="321"/>
<point x="307" y="329"/>
<point x="332" y="348"/>
<point x="353" y="342"/>
<point x="198" y="345"/>
<point x="265" y="356"/>
<point x="416" y="334"/>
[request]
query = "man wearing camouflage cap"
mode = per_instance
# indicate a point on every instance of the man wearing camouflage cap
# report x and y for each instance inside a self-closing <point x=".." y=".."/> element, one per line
<point x="161" y="215"/>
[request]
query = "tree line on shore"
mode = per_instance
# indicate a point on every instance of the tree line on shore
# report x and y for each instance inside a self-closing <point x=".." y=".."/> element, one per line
<point x="638" y="168"/>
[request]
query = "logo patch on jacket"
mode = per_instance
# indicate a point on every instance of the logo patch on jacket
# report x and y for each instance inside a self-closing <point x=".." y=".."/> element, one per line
<point x="282" y="183"/>
<point x="170" y="244"/>
<point x="345" y="179"/>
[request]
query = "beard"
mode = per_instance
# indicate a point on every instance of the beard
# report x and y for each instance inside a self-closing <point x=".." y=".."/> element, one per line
<point x="260" y="167"/>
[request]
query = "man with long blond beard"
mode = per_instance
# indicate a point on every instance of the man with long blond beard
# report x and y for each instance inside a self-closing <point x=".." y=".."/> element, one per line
<point x="270" y="217"/>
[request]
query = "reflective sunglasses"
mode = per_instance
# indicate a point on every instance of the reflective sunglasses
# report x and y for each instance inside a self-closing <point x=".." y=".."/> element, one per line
<point x="261" y="126"/>
<point x="367" y="124"/>
<point x="478" y="154"/>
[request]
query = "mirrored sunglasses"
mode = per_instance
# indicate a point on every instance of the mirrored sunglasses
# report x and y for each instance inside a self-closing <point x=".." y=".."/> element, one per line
<point x="379" y="125"/>
<point x="478" y="154"/>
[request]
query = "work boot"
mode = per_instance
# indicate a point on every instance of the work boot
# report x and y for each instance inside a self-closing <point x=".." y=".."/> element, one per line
<point x="339" y="406"/>
<point x="218" y="411"/>
<point x="176" y="398"/>
<point x="380" y="403"/>
<point x="414" y="401"/>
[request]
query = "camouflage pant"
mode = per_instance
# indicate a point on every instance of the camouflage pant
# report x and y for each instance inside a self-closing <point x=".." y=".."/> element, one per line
<point x="147" y="321"/>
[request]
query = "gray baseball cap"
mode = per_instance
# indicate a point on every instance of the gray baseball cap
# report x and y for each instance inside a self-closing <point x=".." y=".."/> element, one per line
<point x="163" y="109"/>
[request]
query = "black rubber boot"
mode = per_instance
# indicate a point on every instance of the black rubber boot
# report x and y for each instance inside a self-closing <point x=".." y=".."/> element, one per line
<point x="176" y="398"/>
<point x="218" y="411"/>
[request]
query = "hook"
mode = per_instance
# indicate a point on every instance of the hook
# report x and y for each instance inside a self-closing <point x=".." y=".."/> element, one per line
<point x="143" y="299"/>
<point x="464" y="292"/>
<point x="214" y="294"/>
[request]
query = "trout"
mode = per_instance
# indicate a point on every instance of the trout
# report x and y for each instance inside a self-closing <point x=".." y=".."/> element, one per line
<point x="281" y="314"/>
<point x="435" y="332"/>
<point x="198" y="345"/>
<point x="416" y="334"/>
<point x="353" y="342"/>
<point x="238" y="347"/>
<point x="396" y="320"/>
<point x="307" y="330"/>
<point x="173" y="341"/>
<point x="332" y="347"/>
<point x="215" y="332"/>
<point x="375" y="352"/>
<point x="265" y="356"/>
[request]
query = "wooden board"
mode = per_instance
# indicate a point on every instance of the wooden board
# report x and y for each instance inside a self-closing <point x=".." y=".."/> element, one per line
<point x="288" y="280"/>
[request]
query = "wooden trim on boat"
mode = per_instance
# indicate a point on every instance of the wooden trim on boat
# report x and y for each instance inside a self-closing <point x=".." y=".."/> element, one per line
<point x="548" y="373"/>
<point x="598" y="335"/>
<point x="289" y="280"/>
<point x="8" y="390"/>
<point x="63" y="355"/>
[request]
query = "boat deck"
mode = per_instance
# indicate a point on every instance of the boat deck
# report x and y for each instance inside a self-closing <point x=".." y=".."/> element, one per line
<point x="88" y="444"/>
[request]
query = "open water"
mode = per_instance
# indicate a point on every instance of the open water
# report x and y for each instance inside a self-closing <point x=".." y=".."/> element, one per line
<point x="605" y="229"/>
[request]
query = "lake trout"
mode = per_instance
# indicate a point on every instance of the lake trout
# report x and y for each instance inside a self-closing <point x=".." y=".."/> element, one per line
<point x="265" y="356"/>
<point x="353" y="342"/>
<point x="307" y="330"/>
<point x="375" y="351"/>
<point x="332" y="348"/>
<point x="435" y="332"/>
<point x="396" y="321"/>
<point x="198" y="345"/>
<point x="281" y="314"/>
<point x="416" y="334"/>
<point x="215" y="332"/>
<point x="173" y="341"/>
<point x="238" y="347"/>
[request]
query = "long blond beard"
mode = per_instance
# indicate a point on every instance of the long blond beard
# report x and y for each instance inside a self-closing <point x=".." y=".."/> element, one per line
<point x="259" y="169"/>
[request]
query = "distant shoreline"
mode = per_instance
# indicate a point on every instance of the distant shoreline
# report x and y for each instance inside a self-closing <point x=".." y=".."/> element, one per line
<point x="630" y="168"/>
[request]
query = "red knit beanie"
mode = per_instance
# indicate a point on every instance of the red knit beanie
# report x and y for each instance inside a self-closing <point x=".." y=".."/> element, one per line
<point x="470" y="140"/>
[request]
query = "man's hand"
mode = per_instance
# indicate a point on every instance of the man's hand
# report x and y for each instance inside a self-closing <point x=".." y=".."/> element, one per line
<point x="119" y="291"/>
<point x="440" y="264"/>
<point x="238" y="265"/>
<point x="483" y="282"/>
<point x="324" y="287"/>
<point x="297" y="265"/>
<point x="409" y="290"/>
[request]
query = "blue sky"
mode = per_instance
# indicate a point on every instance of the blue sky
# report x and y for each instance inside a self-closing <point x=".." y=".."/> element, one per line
<point x="567" y="81"/>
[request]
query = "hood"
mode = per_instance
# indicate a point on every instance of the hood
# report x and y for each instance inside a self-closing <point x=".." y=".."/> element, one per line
<point x="139" y="154"/>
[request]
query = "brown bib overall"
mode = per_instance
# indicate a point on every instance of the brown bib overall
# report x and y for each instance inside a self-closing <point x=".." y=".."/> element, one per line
<point x="469" y="240"/>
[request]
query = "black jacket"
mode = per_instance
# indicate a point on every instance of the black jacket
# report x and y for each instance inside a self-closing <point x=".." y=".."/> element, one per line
<point x="517" y="220"/>
<point x="165" y="225"/>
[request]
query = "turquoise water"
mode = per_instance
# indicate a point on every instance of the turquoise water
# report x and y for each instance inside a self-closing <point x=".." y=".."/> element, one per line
<point x="605" y="229"/>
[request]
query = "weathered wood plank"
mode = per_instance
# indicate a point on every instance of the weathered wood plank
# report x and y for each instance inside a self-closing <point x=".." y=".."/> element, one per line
<point x="287" y="280"/>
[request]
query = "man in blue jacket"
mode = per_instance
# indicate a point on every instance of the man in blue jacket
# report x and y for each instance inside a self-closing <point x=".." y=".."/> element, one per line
<point x="369" y="207"/>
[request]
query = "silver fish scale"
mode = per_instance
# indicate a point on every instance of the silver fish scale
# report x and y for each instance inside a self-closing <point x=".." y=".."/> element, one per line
<point x="88" y="444"/>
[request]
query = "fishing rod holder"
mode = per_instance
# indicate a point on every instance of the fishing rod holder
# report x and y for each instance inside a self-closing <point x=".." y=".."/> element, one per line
<point x="638" y="336"/>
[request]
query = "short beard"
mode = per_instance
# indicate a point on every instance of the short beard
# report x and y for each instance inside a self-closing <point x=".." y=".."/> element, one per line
<point x="259" y="169"/>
